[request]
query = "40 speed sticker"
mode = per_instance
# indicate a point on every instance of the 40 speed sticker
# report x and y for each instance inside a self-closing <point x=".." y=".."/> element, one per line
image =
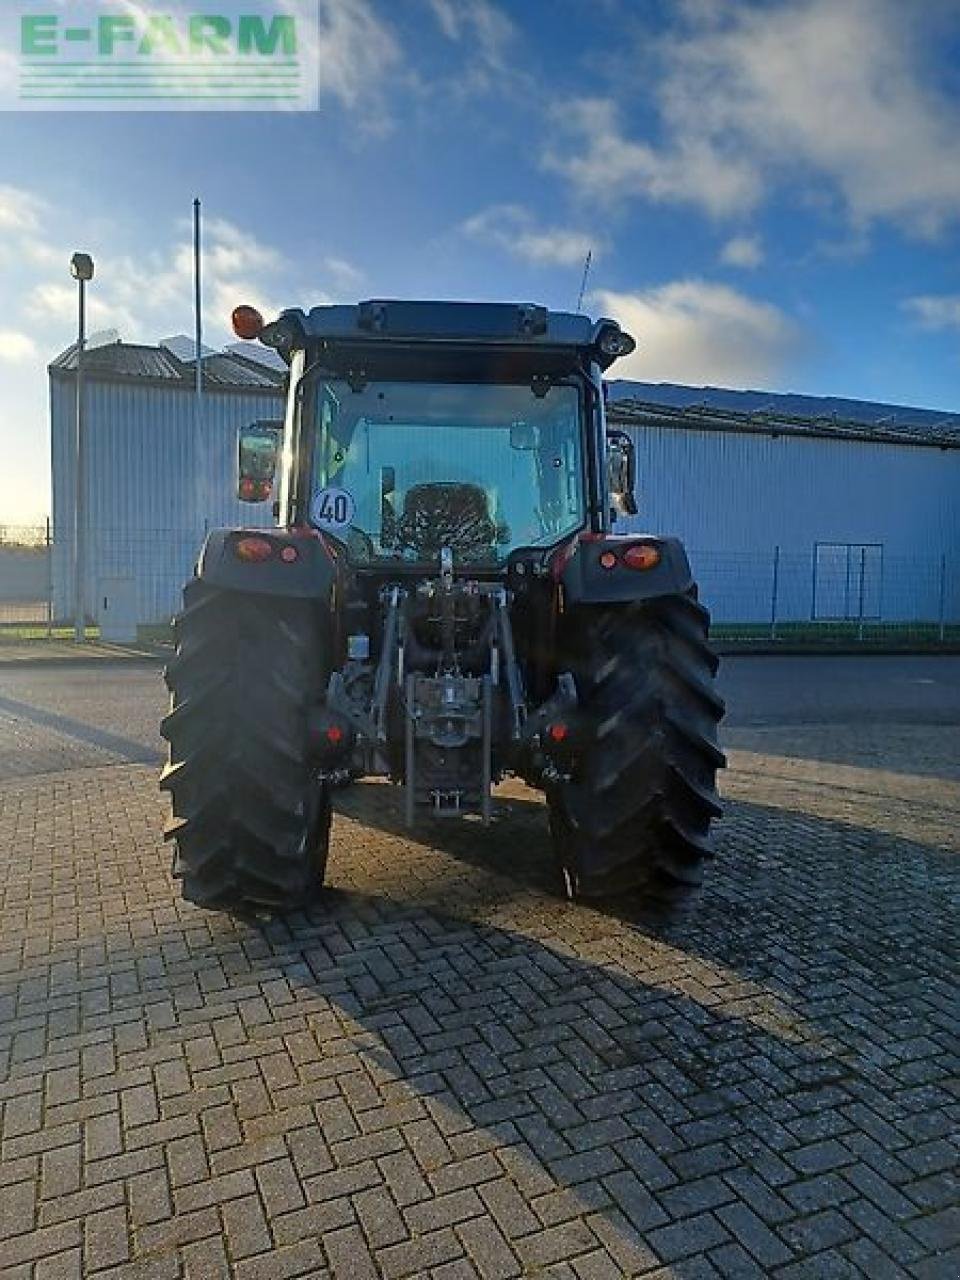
<point x="333" y="509"/>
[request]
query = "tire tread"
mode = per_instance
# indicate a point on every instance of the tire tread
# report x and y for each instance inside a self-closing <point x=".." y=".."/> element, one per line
<point x="249" y="821"/>
<point x="641" y="805"/>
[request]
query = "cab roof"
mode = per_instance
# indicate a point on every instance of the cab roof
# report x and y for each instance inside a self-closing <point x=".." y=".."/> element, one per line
<point x="475" y="321"/>
<point x="523" y="329"/>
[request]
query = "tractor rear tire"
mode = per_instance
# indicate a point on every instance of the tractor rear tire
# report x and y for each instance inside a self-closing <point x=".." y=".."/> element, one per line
<point x="251" y="819"/>
<point x="636" y="812"/>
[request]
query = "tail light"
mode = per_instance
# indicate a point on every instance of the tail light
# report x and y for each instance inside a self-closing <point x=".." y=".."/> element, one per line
<point x="255" y="490"/>
<point x="642" y="555"/>
<point x="253" y="549"/>
<point x="331" y="737"/>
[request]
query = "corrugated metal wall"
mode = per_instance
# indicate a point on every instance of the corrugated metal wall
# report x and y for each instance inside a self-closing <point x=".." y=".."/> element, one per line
<point x="734" y="497"/>
<point x="145" y="513"/>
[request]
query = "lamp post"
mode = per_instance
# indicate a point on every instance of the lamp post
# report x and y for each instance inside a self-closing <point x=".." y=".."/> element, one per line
<point x="81" y="268"/>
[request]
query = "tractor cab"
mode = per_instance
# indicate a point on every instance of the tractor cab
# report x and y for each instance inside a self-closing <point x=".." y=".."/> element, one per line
<point x="413" y="426"/>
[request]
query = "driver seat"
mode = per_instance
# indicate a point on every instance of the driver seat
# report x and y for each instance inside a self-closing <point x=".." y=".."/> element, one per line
<point x="454" y="515"/>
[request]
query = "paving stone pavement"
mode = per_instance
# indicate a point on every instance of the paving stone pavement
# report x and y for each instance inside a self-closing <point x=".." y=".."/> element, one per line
<point x="447" y="1071"/>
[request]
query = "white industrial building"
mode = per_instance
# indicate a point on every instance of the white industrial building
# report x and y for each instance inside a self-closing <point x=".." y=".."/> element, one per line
<point x="158" y="473"/>
<point x="791" y="507"/>
<point x="795" y="509"/>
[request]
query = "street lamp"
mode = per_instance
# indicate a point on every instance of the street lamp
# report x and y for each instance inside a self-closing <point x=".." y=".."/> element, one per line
<point x="81" y="268"/>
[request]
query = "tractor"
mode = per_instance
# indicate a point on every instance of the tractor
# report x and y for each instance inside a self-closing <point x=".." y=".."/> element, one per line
<point x="444" y="600"/>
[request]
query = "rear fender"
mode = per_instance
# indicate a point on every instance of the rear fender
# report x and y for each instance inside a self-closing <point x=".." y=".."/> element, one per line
<point x="309" y="575"/>
<point x="586" y="581"/>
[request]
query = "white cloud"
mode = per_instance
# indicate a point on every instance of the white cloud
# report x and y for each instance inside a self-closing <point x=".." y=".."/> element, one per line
<point x="20" y="211"/>
<point x="834" y="94"/>
<point x="16" y="348"/>
<point x="54" y="302"/>
<point x="356" y="55"/>
<point x="479" y="23"/>
<point x="512" y="228"/>
<point x="609" y="166"/>
<point x="936" y="311"/>
<point x="343" y="275"/>
<point x="742" y="251"/>
<point x="487" y="59"/>
<point x="153" y="294"/>
<point x="142" y="294"/>
<point x="694" y="331"/>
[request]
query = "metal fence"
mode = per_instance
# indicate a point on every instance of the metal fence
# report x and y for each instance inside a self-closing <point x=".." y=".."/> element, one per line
<point x="854" y="592"/>
<point x="857" y="592"/>
<point x="26" y="575"/>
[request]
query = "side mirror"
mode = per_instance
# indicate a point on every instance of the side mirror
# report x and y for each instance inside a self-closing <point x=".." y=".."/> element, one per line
<point x="258" y="452"/>
<point x="622" y="473"/>
<point x="523" y="436"/>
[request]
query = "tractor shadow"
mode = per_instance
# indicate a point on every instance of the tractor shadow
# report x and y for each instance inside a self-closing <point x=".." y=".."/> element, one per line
<point x="792" y="898"/>
<point x="515" y="851"/>
<point x="516" y="844"/>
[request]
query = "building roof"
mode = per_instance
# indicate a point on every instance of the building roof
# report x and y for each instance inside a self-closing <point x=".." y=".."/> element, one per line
<point x="134" y="362"/>
<point x="631" y="403"/>
<point x="772" y="413"/>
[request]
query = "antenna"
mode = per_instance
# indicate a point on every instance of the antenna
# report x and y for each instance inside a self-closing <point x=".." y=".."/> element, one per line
<point x="583" y="283"/>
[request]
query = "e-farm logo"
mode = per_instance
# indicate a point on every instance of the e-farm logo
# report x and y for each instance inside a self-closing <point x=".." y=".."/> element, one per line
<point x="159" y="55"/>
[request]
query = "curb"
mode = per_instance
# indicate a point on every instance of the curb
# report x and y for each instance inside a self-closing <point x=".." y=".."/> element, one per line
<point x="34" y="660"/>
<point x="160" y="656"/>
<point x="728" y="650"/>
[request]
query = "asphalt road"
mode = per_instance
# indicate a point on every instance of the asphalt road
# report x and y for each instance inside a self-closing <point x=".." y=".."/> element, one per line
<point x="57" y="718"/>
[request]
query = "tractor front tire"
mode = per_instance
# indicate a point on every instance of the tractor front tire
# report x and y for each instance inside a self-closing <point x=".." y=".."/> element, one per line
<point x="637" y="810"/>
<point x="251" y="819"/>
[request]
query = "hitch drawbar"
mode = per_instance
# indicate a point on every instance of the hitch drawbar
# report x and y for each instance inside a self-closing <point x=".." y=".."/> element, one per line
<point x="448" y="747"/>
<point x="460" y="683"/>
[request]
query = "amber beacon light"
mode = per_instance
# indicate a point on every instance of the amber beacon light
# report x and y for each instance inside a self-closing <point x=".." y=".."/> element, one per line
<point x="247" y="322"/>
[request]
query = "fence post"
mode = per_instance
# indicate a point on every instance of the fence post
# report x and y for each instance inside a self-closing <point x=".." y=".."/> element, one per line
<point x="863" y="575"/>
<point x="943" y="596"/>
<point x="49" y="545"/>
<point x="774" y="592"/>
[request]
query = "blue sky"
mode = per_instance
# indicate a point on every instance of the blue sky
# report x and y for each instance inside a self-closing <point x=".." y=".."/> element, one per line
<point x="771" y="192"/>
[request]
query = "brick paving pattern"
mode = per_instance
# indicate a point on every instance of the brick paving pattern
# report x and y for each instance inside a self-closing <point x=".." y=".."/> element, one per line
<point x="447" y="1071"/>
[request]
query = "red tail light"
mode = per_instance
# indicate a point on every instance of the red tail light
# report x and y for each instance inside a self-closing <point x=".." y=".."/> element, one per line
<point x="608" y="560"/>
<point x="642" y="555"/>
<point x="255" y="490"/>
<point x="331" y="738"/>
<point x="253" y="549"/>
<point x="558" y="731"/>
